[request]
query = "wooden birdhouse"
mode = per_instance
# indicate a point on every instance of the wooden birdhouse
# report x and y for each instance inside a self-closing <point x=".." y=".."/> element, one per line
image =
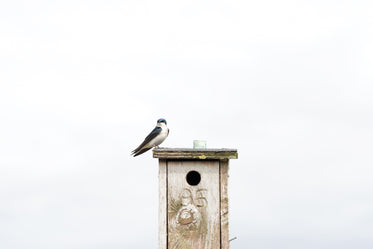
<point x="193" y="198"/>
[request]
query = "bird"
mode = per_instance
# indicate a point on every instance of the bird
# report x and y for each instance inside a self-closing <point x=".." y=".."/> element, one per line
<point x="155" y="138"/>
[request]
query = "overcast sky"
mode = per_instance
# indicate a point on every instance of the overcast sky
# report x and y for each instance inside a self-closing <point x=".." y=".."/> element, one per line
<point x="287" y="83"/>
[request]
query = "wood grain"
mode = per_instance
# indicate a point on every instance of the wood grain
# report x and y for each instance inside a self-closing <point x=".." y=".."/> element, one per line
<point x="224" y="204"/>
<point x="162" y="211"/>
<point x="198" y="154"/>
<point x="193" y="211"/>
<point x="193" y="216"/>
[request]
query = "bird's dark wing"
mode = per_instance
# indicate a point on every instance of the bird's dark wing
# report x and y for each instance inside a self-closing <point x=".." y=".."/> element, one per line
<point x="141" y="151"/>
<point x="151" y="136"/>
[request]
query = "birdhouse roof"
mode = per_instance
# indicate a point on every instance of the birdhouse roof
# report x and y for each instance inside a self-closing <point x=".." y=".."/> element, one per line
<point x="196" y="154"/>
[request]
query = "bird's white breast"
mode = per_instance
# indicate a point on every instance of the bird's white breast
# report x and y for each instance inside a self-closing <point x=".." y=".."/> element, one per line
<point x="160" y="138"/>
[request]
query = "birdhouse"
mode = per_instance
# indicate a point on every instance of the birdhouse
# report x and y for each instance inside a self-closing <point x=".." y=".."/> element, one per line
<point x="193" y="198"/>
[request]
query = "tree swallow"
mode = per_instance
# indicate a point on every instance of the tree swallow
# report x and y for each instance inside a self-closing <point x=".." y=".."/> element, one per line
<point x="155" y="138"/>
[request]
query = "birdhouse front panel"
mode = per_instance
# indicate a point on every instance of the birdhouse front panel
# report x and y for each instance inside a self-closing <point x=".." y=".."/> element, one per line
<point x="193" y="198"/>
<point x="193" y="204"/>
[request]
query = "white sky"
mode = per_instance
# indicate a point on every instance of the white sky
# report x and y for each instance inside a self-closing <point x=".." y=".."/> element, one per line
<point x="287" y="83"/>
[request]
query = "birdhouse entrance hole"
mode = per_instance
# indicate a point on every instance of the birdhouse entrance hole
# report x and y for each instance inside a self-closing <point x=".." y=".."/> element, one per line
<point x="193" y="178"/>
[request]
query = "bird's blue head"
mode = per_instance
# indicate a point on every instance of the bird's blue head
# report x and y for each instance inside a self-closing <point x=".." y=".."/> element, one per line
<point x="162" y="120"/>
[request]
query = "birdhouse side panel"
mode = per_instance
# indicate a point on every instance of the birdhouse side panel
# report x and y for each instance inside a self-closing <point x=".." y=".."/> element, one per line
<point x="162" y="216"/>
<point x="193" y="204"/>
<point x="224" y="205"/>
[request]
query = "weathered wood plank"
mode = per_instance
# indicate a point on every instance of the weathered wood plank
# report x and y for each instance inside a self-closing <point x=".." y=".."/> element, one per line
<point x="162" y="212"/>
<point x="199" y="154"/>
<point x="224" y="205"/>
<point x="193" y="210"/>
